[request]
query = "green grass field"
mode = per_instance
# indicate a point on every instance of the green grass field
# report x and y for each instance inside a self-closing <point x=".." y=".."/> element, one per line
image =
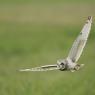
<point x="34" y="34"/>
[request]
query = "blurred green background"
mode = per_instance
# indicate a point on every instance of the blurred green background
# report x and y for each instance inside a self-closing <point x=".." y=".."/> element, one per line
<point x="39" y="32"/>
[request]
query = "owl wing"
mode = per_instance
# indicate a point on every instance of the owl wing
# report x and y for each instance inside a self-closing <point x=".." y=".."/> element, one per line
<point x="79" y="43"/>
<point x="43" y="68"/>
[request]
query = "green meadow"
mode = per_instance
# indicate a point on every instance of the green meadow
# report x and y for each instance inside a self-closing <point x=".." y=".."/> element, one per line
<point x="35" y="33"/>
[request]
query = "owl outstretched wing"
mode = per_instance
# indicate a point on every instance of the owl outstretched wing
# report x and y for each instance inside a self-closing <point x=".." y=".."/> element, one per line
<point x="42" y="68"/>
<point x="79" y="43"/>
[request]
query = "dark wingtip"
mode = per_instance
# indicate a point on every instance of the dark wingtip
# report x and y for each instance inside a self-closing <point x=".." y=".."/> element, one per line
<point x="89" y="17"/>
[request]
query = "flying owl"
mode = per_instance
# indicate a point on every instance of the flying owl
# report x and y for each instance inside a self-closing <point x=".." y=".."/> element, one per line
<point x="70" y="62"/>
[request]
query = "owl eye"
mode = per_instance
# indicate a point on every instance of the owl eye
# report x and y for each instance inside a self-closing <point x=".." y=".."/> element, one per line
<point x="62" y="66"/>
